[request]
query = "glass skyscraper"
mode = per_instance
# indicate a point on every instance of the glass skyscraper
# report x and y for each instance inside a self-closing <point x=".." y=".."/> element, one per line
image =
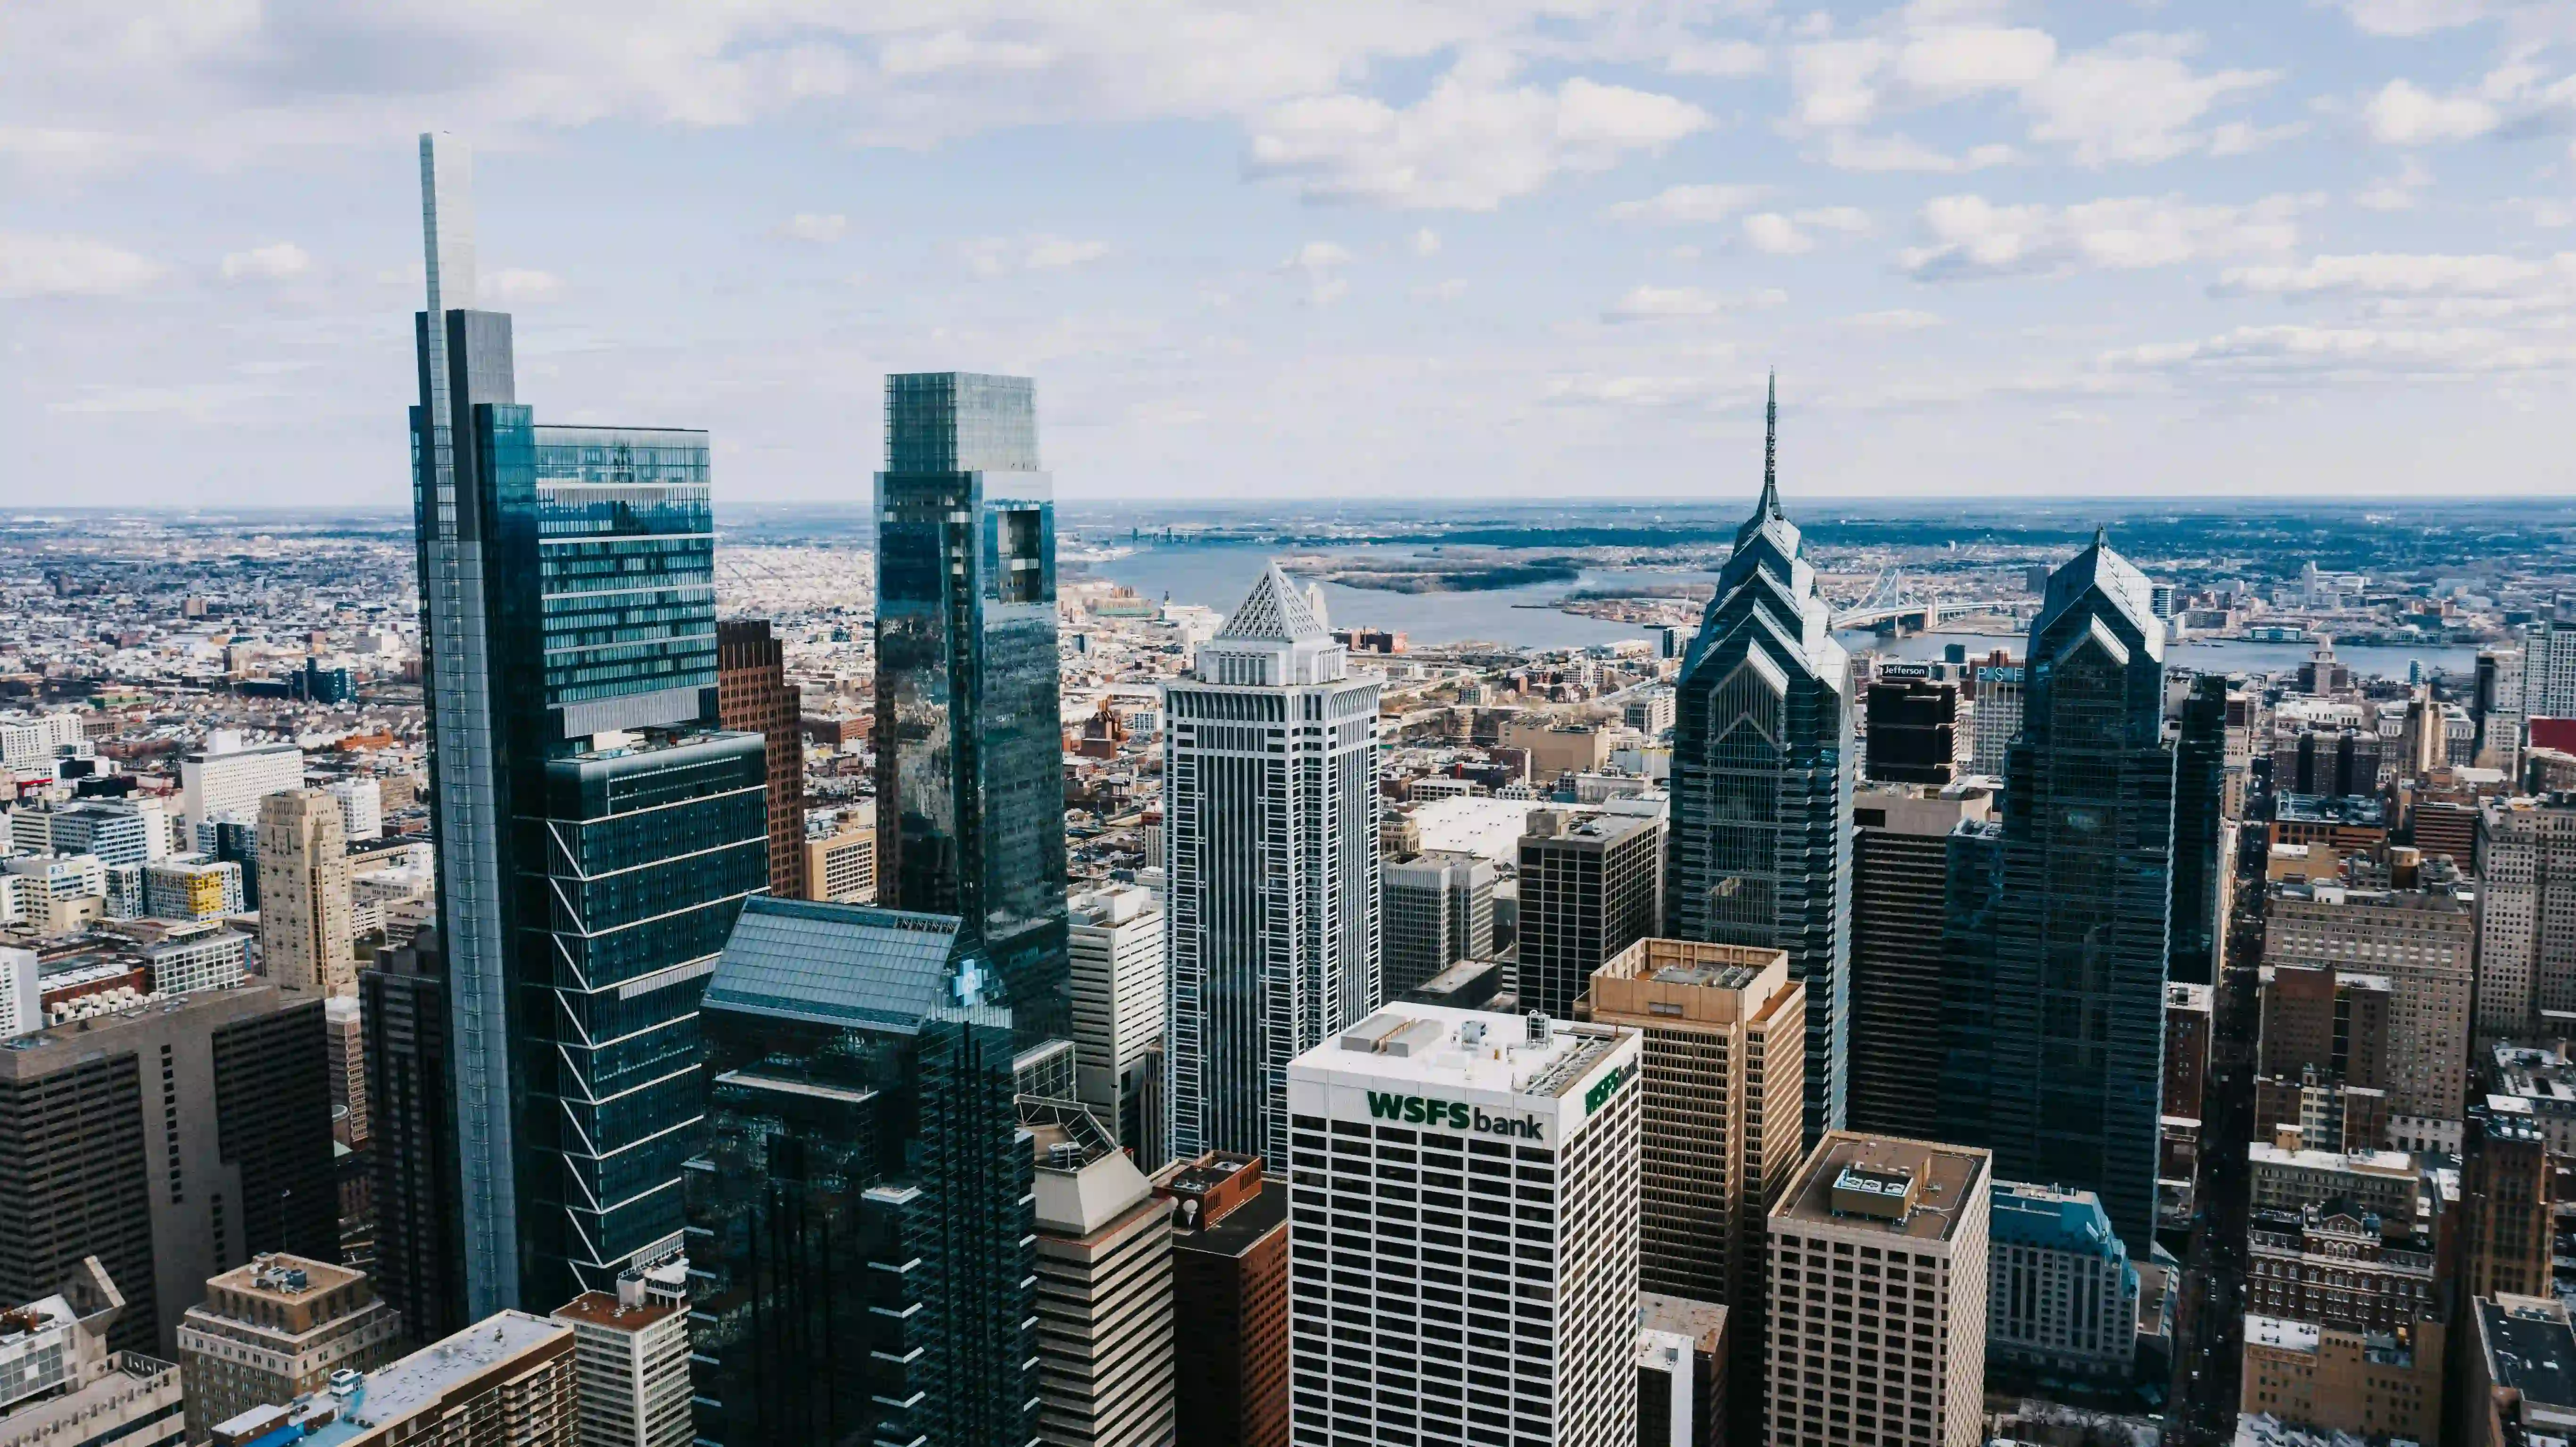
<point x="595" y="833"/>
<point x="862" y="1225"/>
<point x="970" y="750"/>
<point x="2081" y="905"/>
<point x="2200" y="827"/>
<point x="1762" y="781"/>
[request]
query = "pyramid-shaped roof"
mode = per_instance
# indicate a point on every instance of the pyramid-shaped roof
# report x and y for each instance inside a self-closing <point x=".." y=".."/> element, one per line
<point x="1274" y="612"/>
<point x="2099" y="569"/>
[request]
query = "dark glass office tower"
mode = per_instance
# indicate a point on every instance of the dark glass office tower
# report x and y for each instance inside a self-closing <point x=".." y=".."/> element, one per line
<point x="2087" y="885"/>
<point x="595" y="832"/>
<point x="970" y="749"/>
<point x="862" y="1228"/>
<point x="2199" y="823"/>
<point x="1762" y="781"/>
<point x="403" y="1010"/>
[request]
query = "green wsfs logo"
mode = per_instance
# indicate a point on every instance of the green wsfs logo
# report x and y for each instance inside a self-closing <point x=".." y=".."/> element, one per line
<point x="1452" y="1115"/>
<point x="1608" y="1086"/>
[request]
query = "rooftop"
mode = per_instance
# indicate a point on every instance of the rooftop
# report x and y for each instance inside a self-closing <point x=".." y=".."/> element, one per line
<point x="1914" y="1189"/>
<point x="420" y="1381"/>
<point x="2281" y="1333"/>
<point x="2358" y="810"/>
<point x="601" y="1308"/>
<point x="1469" y="1049"/>
<point x="2530" y="1347"/>
<point x="277" y="1276"/>
<point x="2052" y="1218"/>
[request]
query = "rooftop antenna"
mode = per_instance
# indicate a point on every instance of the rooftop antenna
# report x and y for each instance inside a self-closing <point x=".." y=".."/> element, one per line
<point x="1771" y="449"/>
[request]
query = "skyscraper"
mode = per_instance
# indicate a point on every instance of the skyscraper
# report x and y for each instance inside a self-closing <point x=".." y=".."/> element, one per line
<point x="595" y="834"/>
<point x="1120" y="991"/>
<point x="865" y="1252"/>
<point x="970" y="747"/>
<point x="2080" y="935"/>
<point x="1270" y="808"/>
<point x="1762" y="780"/>
<point x="1435" y="910"/>
<point x="420" y="1259"/>
<point x="2526" y="912"/>
<point x="1588" y="889"/>
<point x="2203" y="866"/>
<point x="1392" y="1337"/>
<point x="752" y="695"/>
<point x="304" y="935"/>
<point x="1900" y="874"/>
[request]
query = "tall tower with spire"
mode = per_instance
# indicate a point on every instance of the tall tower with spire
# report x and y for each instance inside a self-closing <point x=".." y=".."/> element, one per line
<point x="1270" y="809"/>
<point x="1762" y="779"/>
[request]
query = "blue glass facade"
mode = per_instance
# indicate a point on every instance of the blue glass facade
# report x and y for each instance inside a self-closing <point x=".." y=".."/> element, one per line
<point x="862" y="1247"/>
<point x="2082" y="903"/>
<point x="970" y="752"/>
<point x="595" y="833"/>
<point x="1762" y="785"/>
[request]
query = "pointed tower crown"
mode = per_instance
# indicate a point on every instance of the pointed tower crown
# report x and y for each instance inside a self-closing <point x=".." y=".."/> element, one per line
<point x="1273" y="612"/>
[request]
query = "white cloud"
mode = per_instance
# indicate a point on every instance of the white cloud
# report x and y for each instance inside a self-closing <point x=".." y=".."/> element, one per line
<point x="1321" y="263"/>
<point x="1469" y="145"/>
<point x="811" y="226"/>
<point x="2301" y="354"/>
<point x="1972" y="238"/>
<point x="2401" y="192"/>
<point x="1001" y="255"/>
<point x="2134" y="99"/>
<point x="1722" y="59"/>
<point x="2414" y="17"/>
<point x="2387" y="274"/>
<point x="1845" y="151"/>
<point x="1697" y="205"/>
<point x="1773" y="234"/>
<point x="1950" y="63"/>
<point x="40" y="265"/>
<point x="1902" y="319"/>
<point x="2406" y="114"/>
<point x="1631" y="391"/>
<point x="1449" y="290"/>
<point x="276" y="261"/>
<point x="1664" y="303"/>
<point x="520" y="286"/>
<point x="1850" y="220"/>
<point x="1426" y="242"/>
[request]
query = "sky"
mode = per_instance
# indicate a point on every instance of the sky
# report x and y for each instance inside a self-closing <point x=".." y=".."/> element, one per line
<point x="1361" y="249"/>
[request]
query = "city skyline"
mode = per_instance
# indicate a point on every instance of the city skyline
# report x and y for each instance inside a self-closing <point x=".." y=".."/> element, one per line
<point x="1435" y="251"/>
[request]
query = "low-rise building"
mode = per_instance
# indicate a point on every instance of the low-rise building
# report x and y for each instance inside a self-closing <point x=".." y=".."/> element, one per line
<point x="2327" y="1379"/>
<point x="2061" y="1296"/>
<point x="2339" y="1265"/>
<point x="2290" y="1179"/>
<point x="276" y="1329"/>
<point x="509" y="1380"/>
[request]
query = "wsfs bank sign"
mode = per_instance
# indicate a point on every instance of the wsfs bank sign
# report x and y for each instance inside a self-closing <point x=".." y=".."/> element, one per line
<point x="1453" y="1115"/>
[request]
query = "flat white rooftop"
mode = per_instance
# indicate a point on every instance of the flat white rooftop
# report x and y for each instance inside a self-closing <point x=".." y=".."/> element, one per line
<point x="1434" y="1045"/>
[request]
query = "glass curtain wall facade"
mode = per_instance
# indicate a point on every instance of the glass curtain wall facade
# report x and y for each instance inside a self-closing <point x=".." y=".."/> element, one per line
<point x="1762" y="782"/>
<point x="595" y="832"/>
<point x="2082" y="907"/>
<point x="970" y="784"/>
<point x="862" y="1229"/>
<point x="2199" y="823"/>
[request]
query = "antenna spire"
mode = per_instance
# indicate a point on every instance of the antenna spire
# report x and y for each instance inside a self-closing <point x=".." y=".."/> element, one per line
<point x="1771" y="449"/>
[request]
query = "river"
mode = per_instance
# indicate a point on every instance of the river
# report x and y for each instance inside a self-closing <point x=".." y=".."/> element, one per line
<point x="1218" y="575"/>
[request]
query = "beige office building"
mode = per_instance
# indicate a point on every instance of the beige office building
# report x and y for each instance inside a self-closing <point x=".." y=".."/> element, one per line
<point x="1723" y="1094"/>
<point x="841" y="859"/>
<point x="1104" y="1300"/>
<point x="632" y="1355"/>
<point x="304" y="927"/>
<point x="2423" y="941"/>
<point x="2328" y="1380"/>
<point x="1878" y="1296"/>
<point x="276" y="1329"/>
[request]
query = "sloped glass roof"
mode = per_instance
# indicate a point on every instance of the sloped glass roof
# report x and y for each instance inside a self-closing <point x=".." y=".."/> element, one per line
<point x="836" y="963"/>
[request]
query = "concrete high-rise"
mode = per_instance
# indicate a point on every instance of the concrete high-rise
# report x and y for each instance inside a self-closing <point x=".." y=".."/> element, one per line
<point x="225" y="781"/>
<point x="67" y="1387"/>
<point x="1436" y="909"/>
<point x="1270" y="809"/>
<point x="1995" y="692"/>
<point x="304" y="936"/>
<point x="633" y="1355"/>
<point x="1394" y="1333"/>
<point x="2506" y="1205"/>
<point x="1104" y="1289"/>
<point x="2495" y="710"/>
<point x="2549" y="664"/>
<point x="1229" y="1300"/>
<point x="1762" y="781"/>
<point x="2080" y="938"/>
<point x="2423" y="941"/>
<point x="2526" y="911"/>
<point x="411" y="1160"/>
<point x="1589" y="887"/>
<point x="1878" y="1295"/>
<point x="753" y="697"/>
<point x="863" y="1213"/>
<point x="170" y="1143"/>
<point x="969" y="741"/>
<point x="1900" y="864"/>
<point x="2061" y="1296"/>
<point x="595" y="831"/>
<point x="1120" y="990"/>
<point x="1725" y="1049"/>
